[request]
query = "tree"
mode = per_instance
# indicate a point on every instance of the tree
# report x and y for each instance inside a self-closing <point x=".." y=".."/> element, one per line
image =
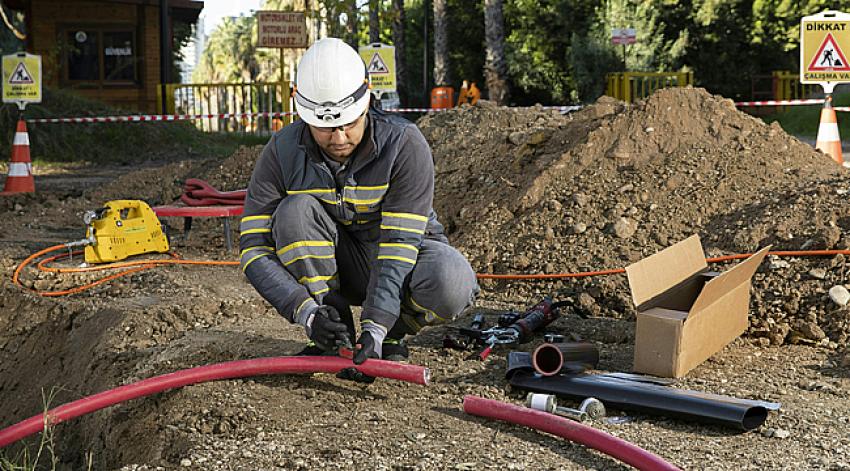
<point x="400" y="55"/>
<point x="353" y="21"/>
<point x="374" y="21"/>
<point x="495" y="69"/>
<point x="441" y="46"/>
<point x="231" y="53"/>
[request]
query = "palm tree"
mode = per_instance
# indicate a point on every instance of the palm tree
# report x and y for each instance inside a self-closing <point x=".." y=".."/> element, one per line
<point x="495" y="66"/>
<point x="441" y="44"/>
<point x="352" y="24"/>
<point x="374" y="21"/>
<point x="398" y="42"/>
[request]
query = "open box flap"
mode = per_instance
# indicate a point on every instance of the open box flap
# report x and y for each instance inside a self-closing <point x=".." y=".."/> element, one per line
<point x="657" y="273"/>
<point x="717" y="287"/>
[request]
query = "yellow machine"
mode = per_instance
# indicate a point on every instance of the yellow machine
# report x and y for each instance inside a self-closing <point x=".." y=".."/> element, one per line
<point x="120" y="229"/>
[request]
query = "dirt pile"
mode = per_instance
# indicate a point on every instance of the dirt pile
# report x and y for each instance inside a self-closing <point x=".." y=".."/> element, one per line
<point x="531" y="191"/>
<point x="164" y="184"/>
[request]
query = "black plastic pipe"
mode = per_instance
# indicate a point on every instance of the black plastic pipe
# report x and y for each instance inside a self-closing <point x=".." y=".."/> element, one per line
<point x="642" y="396"/>
<point x="568" y="357"/>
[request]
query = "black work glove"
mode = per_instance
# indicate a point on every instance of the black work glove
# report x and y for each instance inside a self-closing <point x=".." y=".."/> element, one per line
<point x="366" y="347"/>
<point x="327" y="330"/>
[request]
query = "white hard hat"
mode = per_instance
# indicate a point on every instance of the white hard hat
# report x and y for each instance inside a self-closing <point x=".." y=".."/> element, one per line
<point x="332" y="86"/>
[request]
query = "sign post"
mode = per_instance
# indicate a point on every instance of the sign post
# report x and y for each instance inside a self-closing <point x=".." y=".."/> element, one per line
<point x="22" y="79"/>
<point x="380" y="64"/>
<point x="623" y="36"/>
<point x="824" y="48"/>
<point x="281" y="30"/>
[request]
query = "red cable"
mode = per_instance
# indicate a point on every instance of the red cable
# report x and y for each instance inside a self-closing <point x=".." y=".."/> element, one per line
<point x="228" y="370"/>
<point x="622" y="450"/>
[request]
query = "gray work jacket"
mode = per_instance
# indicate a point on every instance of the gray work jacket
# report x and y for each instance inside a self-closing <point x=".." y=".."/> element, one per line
<point x="386" y="199"/>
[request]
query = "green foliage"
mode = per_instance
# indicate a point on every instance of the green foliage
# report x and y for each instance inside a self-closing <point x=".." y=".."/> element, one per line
<point x="231" y="54"/>
<point x="559" y="50"/>
<point x="9" y="43"/>
<point x="591" y="59"/>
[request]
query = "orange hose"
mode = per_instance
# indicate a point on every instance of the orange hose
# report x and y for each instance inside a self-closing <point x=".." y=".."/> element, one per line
<point x="133" y="267"/>
<point x="141" y="265"/>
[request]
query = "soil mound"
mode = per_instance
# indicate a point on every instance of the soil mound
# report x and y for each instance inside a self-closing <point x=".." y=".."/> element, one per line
<point x="162" y="185"/>
<point x="531" y="191"/>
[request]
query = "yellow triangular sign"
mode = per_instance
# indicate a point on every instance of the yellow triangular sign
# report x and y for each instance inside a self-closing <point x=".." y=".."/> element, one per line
<point x="377" y="65"/>
<point x="20" y="76"/>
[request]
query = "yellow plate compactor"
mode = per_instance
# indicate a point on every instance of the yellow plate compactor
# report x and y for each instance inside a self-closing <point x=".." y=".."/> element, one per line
<point x="120" y="229"/>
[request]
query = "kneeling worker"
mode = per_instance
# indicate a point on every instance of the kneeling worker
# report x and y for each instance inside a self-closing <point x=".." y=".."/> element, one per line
<point x="339" y="213"/>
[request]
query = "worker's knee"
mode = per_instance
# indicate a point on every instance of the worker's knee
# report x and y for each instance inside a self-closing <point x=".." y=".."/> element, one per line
<point x="300" y="217"/>
<point x="442" y="285"/>
<point x="295" y="207"/>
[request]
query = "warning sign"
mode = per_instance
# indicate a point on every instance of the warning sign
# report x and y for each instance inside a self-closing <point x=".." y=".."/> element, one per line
<point x="22" y="79"/>
<point x="824" y="38"/>
<point x="377" y="66"/>
<point x="281" y="29"/>
<point x="829" y="57"/>
<point x="380" y="64"/>
<point x="21" y="76"/>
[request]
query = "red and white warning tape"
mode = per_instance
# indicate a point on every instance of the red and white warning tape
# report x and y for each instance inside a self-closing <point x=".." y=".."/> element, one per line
<point x="163" y="117"/>
<point x="189" y="117"/>
<point x="416" y="110"/>
<point x="813" y="101"/>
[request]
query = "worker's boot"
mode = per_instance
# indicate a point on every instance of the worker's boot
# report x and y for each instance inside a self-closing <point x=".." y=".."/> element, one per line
<point x="394" y="347"/>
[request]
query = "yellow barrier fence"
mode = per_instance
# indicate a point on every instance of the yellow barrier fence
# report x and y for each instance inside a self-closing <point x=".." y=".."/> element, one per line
<point x="787" y="86"/>
<point x="230" y="98"/>
<point x="633" y="86"/>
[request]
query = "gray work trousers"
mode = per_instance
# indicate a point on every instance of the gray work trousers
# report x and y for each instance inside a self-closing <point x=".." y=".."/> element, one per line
<point x="324" y="257"/>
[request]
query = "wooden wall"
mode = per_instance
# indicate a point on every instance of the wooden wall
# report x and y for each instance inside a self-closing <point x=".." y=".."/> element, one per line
<point x="49" y="17"/>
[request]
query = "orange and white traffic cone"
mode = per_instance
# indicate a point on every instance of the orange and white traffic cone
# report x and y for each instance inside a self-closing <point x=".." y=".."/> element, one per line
<point x="829" y="142"/>
<point x="19" y="179"/>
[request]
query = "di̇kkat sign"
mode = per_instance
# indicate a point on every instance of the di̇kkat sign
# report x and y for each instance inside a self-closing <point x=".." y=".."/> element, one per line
<point x="824" y="49"/>
<point x="22" y="79"/>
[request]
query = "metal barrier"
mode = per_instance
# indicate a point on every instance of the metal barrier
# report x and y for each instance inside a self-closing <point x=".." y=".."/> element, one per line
<point x="633" y="86"/>
<point x="217" y="99"/>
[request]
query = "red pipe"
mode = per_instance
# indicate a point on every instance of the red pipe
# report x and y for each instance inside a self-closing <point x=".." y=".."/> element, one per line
<point x="228" y="370"/>
<point x="622" y="450"/>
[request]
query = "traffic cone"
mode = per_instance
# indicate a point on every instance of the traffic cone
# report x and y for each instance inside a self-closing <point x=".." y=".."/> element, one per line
<point x="19" y="179"/>
<point x="829" y="142"/>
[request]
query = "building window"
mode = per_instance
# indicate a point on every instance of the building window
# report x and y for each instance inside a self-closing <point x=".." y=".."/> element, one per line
<point x="107" y="56"/>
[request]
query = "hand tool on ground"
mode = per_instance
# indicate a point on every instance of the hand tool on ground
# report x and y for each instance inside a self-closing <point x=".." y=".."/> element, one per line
<point x="521" y="330"/>
<point x="465" y="342"/>
<point x="590" y="408"/>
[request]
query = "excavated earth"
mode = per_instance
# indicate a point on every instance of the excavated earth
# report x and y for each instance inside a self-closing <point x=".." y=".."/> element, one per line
<point x="521" y="190"/>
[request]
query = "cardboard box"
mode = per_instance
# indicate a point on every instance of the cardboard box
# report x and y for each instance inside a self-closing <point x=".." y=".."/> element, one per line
<point x="686" y="313"/>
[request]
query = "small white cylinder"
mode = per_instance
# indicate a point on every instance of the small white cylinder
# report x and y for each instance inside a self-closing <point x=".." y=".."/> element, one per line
<point x="541" y="402"/>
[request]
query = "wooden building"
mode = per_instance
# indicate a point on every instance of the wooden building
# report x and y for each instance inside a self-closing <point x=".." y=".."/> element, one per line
<point x="107" y="50"/>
